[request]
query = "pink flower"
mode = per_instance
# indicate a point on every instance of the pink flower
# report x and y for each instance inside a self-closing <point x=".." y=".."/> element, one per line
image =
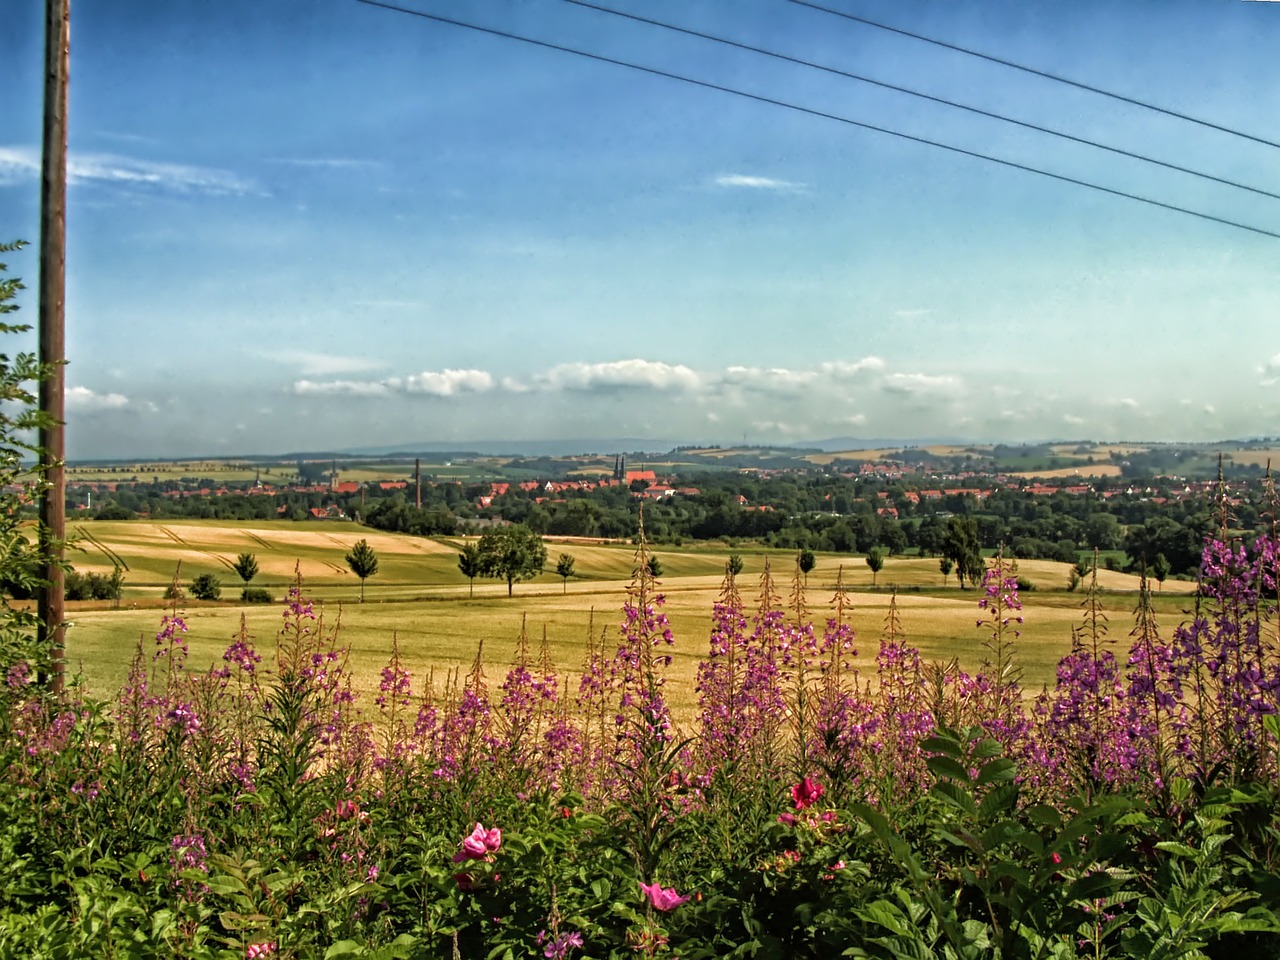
<point x="662" y="898"/>
<point x="787" y="818"/>
<point x="479" y="844"/>
<point x="492" y="838"/>
<point x="806" y="793"/>
<point x="259" y="950"/>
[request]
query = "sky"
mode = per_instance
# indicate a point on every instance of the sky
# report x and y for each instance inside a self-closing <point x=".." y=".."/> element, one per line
<point x="324" y="225"/>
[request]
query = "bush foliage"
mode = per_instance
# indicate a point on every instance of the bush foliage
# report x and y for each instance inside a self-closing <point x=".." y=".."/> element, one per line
<point x="265" y="806"/>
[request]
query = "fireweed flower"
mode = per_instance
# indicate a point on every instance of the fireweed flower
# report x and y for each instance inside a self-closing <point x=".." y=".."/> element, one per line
<point x="806" y="793"/>
<point x="187" y="852"/>
<point x="663" y="898"/>
<point x="559" y="947"/>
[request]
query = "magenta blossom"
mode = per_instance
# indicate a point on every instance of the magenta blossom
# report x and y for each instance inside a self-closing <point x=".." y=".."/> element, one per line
<point x="662" y="898"/>
<point x="806" y="793"/>
<point x="479" y="844"/>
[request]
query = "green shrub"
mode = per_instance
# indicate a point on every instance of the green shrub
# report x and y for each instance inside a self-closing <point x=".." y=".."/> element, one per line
<point x="255" y="595"/>
<point x="206" y="587"/>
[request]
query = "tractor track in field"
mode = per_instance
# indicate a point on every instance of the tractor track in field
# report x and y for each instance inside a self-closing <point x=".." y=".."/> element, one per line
<point x="110" y="554"/>
<point x="208" y="553"/>
<point x="257" y="539"/>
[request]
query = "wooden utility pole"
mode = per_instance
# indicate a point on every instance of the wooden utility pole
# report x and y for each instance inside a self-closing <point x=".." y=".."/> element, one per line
<point x="53" y="285"/>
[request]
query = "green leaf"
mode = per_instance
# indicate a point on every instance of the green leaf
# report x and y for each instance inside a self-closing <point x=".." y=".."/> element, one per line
<point x="956" y="795"/>
<point x="1001" y="769"/>
<point x="948" y="767"/>
<point x="986" y="748"/>
<point x="344" y="948"/>
<point x="943" y="745"/>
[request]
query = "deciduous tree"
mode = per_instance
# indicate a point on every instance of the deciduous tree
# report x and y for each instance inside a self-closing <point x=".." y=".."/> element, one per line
<point x="875" y="560"/>
<point x="564" y="570"/>
<point x="246" y="567"/>
<point x="806" y="561"/>
<point x="363" y="562"/>
<point x="511" y="553"/>
<point x="470" y="567"/>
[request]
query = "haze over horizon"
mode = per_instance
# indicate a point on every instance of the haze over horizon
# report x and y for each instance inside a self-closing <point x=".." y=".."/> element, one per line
<point x="324" y="225"/>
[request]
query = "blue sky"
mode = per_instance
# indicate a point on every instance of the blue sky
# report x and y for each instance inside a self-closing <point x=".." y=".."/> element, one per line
<point x="315" y="224"/>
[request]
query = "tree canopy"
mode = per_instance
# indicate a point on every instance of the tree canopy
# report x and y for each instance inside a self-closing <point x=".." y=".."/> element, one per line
<point x="511" y="553"/>
<point x="363" y="562"/>
<point x="246" y="567"/>
<point x="469" y="566"/>
<point x="564" y="569"/>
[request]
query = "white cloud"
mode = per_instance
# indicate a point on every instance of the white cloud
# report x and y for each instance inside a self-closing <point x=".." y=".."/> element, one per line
<point x="651" y="374"/>
<point x="922" y="384"/>
<point x="756" y="183"/>
<point x="343" y="388"/>
<point x="327" y="364"/>
<point x="88" y="401"/>
<point x="846" y="368"/>
<point x="20" y="163"/>
<point x="1271" y="371"/>
<point x="443" y="383"/>
<point x="776" y="379"/>
<point x="447" y="383"/>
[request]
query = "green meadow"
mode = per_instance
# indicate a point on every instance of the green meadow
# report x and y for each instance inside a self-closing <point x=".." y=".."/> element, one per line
<point x="419" y="600"/>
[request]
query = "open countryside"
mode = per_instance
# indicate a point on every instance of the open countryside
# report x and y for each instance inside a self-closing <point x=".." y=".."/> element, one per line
<point x="421" y="599"/>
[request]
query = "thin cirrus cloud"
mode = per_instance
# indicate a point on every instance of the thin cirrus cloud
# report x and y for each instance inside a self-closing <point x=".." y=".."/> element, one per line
<point x="750" y="182"/>
<point x="328" y="163"/>
<point x="327" y="364"/>
<point x="22" y="163"/>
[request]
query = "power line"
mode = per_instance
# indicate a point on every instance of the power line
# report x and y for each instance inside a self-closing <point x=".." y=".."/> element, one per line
<point x="1039" y="73"/>
<point x="925" y="96"/>
<point x="708" y="85"/>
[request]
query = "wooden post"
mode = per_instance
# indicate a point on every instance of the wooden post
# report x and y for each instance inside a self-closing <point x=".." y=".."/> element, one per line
<point x="53" y="263"/>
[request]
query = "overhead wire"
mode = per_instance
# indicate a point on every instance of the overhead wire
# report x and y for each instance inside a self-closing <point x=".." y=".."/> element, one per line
<point x="1134" y="101"/>
<point x="924" y="96"/>
<point x="760" y="98"/>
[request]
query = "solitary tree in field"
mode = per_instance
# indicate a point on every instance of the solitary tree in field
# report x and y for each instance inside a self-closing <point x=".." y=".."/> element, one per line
<point x="806" y="561"/>
<point x="945" y="565"/>
<point x="469" y="565"/>
<point x="875" y="560"/>
<point x="734" y="566"/>
<point x="511" y="553"/>
<point x="961" y="544"/>
<point x="363" y="563"/>
<point x="655" y="567"/>
<point x="1160" y="568"/>
<point x="564" y="570"/>
<point x="246" y="567"/>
